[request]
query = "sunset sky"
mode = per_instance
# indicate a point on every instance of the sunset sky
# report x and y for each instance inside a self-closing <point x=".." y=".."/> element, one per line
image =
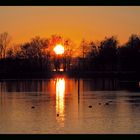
<point x="75" y="22"/>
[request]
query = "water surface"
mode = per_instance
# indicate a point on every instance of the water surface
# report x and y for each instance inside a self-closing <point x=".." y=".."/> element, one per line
<point x="65" y="106"/>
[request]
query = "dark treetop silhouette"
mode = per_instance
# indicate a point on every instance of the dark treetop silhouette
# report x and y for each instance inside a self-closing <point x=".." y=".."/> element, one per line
<point x="36" y="58"/>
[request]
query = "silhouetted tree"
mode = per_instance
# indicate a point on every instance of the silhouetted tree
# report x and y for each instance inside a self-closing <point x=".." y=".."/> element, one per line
<point x="92" y="56"/>
<point x="84" y="50"/>
<point x="35" y="48"/>
<point x="130" y="54"/>
<point x="10" y="53"/>
<point x="68" y="54"/>
<point x="4" y="42"/>
<point x="108" y="53"/>
<point x="34" y="54"/>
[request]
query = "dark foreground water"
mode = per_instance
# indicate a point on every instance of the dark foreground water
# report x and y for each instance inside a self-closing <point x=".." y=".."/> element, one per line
<point x="62" y="105"/>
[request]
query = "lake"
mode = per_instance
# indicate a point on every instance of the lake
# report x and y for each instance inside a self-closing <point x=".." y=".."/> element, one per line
<point x="68" y="106"/>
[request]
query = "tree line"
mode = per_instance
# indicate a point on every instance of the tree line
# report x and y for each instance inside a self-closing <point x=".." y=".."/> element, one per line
<point x="37" y="55"/>
<point x="108" y="55"/>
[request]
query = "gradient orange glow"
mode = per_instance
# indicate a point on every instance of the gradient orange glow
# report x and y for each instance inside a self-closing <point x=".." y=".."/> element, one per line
<point x="75" y="22"/>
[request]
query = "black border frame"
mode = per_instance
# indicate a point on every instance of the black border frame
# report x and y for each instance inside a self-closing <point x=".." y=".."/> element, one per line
<point x="68" y="3"/>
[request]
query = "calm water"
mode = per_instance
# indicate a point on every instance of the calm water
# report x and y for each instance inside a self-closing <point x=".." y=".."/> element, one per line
<point x="61" y="105"/>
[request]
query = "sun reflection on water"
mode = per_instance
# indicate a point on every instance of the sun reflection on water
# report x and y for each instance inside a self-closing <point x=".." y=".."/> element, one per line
<point x="60" y="93"/>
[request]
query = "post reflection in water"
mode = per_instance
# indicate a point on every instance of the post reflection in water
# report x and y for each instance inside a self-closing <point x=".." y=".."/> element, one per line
<point x="60" y="94"/>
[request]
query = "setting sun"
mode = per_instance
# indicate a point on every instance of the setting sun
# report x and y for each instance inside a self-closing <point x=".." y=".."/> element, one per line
<point x="59" y="49"/>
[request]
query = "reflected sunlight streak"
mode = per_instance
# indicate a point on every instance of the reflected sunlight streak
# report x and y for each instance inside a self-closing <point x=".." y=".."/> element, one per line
<point x="60" y="92"/>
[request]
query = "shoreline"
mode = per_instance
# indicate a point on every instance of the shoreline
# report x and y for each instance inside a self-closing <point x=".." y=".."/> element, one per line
<point x="126" y="75"/>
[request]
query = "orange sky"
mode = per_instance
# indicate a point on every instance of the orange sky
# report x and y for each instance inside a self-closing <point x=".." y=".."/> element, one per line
<point x="75" y="22"/>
